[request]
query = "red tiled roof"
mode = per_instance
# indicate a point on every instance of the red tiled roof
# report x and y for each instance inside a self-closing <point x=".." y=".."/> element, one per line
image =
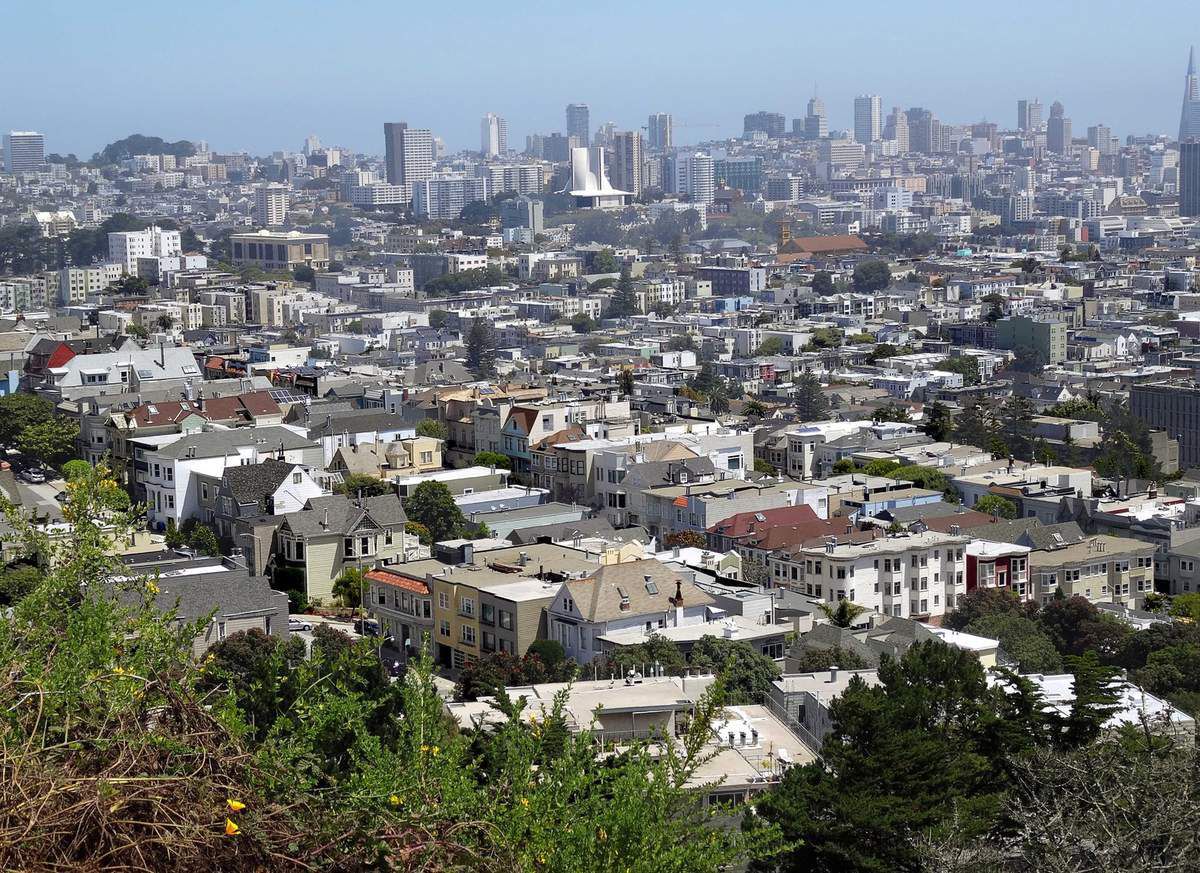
<point x="748" y="522"/>
<point x="388" y="577"/>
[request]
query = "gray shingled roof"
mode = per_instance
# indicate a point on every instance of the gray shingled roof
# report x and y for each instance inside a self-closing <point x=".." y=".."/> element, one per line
<point x="215" y="443"/>
<point x="344" y="514"/>
<point x="252" y="483"/>
<point x="599" y="599"/>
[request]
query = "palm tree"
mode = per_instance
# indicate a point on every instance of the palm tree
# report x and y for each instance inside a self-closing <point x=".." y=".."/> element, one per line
<point x="843" y="614"/>
<point x="348" y="587"/>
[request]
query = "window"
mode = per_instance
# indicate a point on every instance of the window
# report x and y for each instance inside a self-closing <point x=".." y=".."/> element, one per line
<point x="444" y="628"/>
<point x="487" y="614"/>
<point x="297" y="478"/>
<point x="443" y="600"/>
<point x="468" y="635"/>
<point x="506" y="619"/>
<point x="299" y="550"/>
<point x="220" y="630"/>
<point x="348" y="546"/>
<point x="773" y="650"/>
<point x="466" y="606"/>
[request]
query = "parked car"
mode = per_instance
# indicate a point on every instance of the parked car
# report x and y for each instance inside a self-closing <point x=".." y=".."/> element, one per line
<point x="295" y="624"/>
<point x="367" y="627"/>
<point x="34" y="476"/>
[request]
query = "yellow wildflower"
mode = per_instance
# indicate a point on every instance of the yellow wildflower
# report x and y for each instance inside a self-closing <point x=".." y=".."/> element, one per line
<point x="234" y="805"/>
<point x="434" y="751"/>
<point x="152" y="587"/>
<point x="524" y="801"/>
<point x="394" y="800"/>
<point x="231" y="827"/>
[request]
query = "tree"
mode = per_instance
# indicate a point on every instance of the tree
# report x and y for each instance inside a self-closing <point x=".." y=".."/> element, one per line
<point x="689" y="539"/>
<point x="656" y="651"/>
<point x="772" y="345"/>
<point x="431" y="427"/>
<point x="764" y="467"/>
<point x="19" y="412"/>
<point x="822" y="283"/>
<point x="844" y="614"/>
<point x="1096" y="698"/>
<point x="984" y="602"/>
<point x="350" y="587"/>
<point x="904" y="759"/>
<point x="747" y="675"/>
<point x="682" y="342"/>
<point x="891" y="411"/>
<point x="17" y="580"/>
<point x="816" y="660"/>
<point x="811" y="402"/>
<point x="604" y="262"/>
<point x="438" y="318"/>
<point x="134" y="329"/>
<point x="964" y="365"/>
<point x="977" y="424"/>
<point x="75" y="469"/>
<point x="354" y="484"/>
<point x="871" y="276"/>
<point x="995" y="303"/>
<point x="432" y="505"/>
<point x="203" y="539"/>
<point x="165" y="321"/>
<point x="623" y="303"/>
<point x="492" y="459"/>
<point x="754" y="409"/>
<point x="1076" y="627"/>
<point x="583" y="323"/>
<point x="939" y="423"/>
<point x="51" y="442"/>
<point x="625" y="382"/>
<point x="418" y="530"/>
<point x="843" y="467"/>
<point x="1021" y="639"/>
<point x="481" y="349"/>
<point x="997" y="506"/>
<point x="1016" y="416"/>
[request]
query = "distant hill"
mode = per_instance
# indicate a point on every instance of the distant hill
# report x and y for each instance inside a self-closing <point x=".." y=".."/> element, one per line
<point x="137" y="144"/>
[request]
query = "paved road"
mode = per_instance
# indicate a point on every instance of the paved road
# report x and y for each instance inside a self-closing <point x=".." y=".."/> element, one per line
<point x="345" y="626"/>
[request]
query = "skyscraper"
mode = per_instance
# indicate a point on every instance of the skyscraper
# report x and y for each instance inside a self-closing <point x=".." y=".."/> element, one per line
<point x="408" y="153"/>
<point x="897" y="129"/>
<point x="493" y="136"/>
<point x="270" y="205"/>
<point x="1100" y="138"/>
<point x="627" y="162"/>
<point x="1189" y="177"/>
<point x="312" y="143"/>
<point x="24" y="151"/>
<point x="659" y="132"/>
<point x="579" y="123"/>
<point x="1029" y="115"/>
<point x="694" y="177"/>
<point x="771" y="123"/>
<point x="816" y="124"/>
<point x="1189" y="116"/>
<point x="868" y="119"/>
<point x="921" y="124"/>
<point x="1058" y="130"/>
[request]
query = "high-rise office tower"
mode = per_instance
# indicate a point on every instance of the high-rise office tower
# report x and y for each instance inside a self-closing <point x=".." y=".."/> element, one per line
<point x="816" y="124"/>
<point x="1100" y="138"/>
<point x="493" y="136"/>
<point x="312" y="143"/>
<point x="270" y="205"/>
<point x="772" y="124"/>
<point x="1189" y="177"/>
<point x="897" y="129"/>
<point x="408" y="153"/>
<point x="1189" y="116"/>
<point x="868" y="119"/>
<point x="627" y="161"/>
<point x="921" y="133"/>
<point x="659" y="132"/>
<point x="1029" y="115"/>
<point x="24" y="151"/>
<point x="579" y="123"/>
<point x="1058" y="130"/>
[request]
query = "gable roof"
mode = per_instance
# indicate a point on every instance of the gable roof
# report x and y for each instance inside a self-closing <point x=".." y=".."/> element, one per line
<point x="339" y="515"/>
<point x="599" y="596"/>
<point x="253" y="483"/>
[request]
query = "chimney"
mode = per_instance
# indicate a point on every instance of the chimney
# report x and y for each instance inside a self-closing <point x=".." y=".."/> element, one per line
<point x="833" y="673"/>
<point x="325" y="519"/>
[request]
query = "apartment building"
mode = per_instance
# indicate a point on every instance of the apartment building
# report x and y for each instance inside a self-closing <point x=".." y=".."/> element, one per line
<point x="910" y="575"/>
<point x="124" y="248"/>
<point x="526" y="426"/>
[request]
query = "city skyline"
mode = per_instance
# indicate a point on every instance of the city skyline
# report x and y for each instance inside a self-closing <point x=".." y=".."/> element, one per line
<point x="73" y="104"/>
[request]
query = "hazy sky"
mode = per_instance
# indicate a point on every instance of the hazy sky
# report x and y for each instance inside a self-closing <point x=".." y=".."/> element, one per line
<point x="260" y="75"/>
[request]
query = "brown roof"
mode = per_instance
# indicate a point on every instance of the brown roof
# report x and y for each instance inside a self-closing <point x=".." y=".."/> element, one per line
<point x="237" y="407"/>
<point x="819" y="245"/>
<point x="750" y="522"/>
<point x="599" y="596"/>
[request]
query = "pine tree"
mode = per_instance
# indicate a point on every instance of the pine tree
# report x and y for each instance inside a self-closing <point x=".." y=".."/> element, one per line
<point x="623" y="302"/>
<point x="481" y="349"/>
<point x="1017" y="427"/>
<point x="939" y="424"/>
<point x="811" y="404"/>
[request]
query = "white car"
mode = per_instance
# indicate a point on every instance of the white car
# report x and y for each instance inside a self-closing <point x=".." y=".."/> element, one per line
<point x="295" y="624"/>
